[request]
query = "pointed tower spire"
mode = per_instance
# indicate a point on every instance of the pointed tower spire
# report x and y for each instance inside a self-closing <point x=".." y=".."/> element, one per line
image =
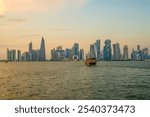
<point x="42" y="50"/>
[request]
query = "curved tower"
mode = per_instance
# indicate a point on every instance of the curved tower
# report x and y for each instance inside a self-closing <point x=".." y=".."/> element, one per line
<point x="42" y="51"/>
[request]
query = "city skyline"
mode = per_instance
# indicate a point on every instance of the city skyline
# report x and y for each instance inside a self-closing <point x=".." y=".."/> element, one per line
<point x="108" y="52"/>
<point x="63" y="22"/>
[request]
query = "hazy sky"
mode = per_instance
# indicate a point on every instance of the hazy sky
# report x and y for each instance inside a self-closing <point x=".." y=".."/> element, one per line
<point x="63" y="22"/>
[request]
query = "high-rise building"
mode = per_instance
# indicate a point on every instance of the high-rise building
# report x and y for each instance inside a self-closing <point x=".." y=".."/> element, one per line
<point x="81" y="57"/>
<point x="125" y="53"/>
<point x="138" y="53"/>
<point x="53" y="54"/>
<point x="76" y="51"/>
<point x="30" y="47"/>
<point x="26" y="56"/>
<point x="133" y="55"/>
<point x="67" y="53"/>
<point x="144" y="54"/>
<point x="97" y="50"/>
<point x="30" y="52"/>
<point x="42" y="50"/>
<point x="107" y="56"/>
<point x="92" y="51"/>
<point x="8" y="55"/>
<point x="35" y="55"/>
<point x="57" y="54"/>
<point x="116" y="52"/>
<point x="11" y="55"/>
<point x="19" y="55"/>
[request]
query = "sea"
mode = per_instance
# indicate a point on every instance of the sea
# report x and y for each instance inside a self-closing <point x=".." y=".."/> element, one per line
<point x="118" y="80"/>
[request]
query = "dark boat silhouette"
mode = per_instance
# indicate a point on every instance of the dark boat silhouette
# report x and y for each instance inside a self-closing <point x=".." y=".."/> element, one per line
<point x="91" y="61"/>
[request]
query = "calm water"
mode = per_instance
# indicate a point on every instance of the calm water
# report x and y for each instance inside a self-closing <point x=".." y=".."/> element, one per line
<point x="74" y="80"/>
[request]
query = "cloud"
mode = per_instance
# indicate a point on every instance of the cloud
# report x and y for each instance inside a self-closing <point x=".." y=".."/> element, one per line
<point x="30" y="35"/>
<point x="2" y="16"/>
<point x="17" y="20"/>
<point x="61" y="29"/>
<point x="36" y="5"/>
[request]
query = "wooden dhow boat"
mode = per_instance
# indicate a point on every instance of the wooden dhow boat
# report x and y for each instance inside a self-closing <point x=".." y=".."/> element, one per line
<point x="91" y="61"/>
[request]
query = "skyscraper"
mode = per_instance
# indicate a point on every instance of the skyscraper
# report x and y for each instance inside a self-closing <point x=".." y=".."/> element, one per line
<point x="144" y="54"/>
<point x="19" y="55"/>
<point x="30" y="52"/>
<point x="138" y="53"/>
<point x="92" y="51"/>
<point x="76" y="50"/>
<point x="125" y="53"/>
<point x="107" y="50"/>
<point x="8" y="55"/>
<point x="116" y="52"/>
<point x="42" y="50"/>
<point x="59" y="54"/>
<point x="97" y="49"/>
<point x="133" y="55"/>
<point x="11" y="55"/>
<point x="81" y="57"/>
<point x="30" y="47"/>
<point x="67" y="53"/>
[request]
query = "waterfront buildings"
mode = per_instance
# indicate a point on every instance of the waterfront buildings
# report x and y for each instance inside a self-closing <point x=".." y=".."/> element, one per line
<point x="139" y="55"/>
<point x="26" y="56"/>
<point x="30" y="47"/>
<point x="18" y="55"/>
<point x="81" y="57"/>
<point x="11" y="55"/>
<point x="97" y="49"/>
<point x="136" y="54"/>
<point x="31" y="55"/>
<point x="144" y="54"/>
<point x="57" y="54"/>
<point x="67" y="53"/>
<point x="76" y="51"/>
<point x="92" y="53"/>
<point x="116" y="52"/>
<point x="107" y="51"/>
<point x="125" y="53"/>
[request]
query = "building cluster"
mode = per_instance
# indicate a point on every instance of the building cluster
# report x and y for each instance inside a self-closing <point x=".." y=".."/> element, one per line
<point x="113" y="52"/>
<point x="110" y="52"/>
<point x="94" y="51"/>
<point x="140" y="55"/>
<point x="31" y="55"/>
<point x="58" y="54"/>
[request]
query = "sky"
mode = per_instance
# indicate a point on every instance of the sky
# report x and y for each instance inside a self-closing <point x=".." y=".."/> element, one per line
<point x="64" y="22"/>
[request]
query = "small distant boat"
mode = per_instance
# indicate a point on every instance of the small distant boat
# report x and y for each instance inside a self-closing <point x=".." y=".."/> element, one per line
<point x="91" y="61"/>
<point x="6" y="61"/>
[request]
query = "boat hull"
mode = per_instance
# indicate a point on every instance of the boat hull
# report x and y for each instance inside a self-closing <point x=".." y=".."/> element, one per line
<point x="91" y="61"/>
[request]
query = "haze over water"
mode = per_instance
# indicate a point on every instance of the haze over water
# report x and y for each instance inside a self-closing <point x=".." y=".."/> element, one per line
<point x="74" y="80"/>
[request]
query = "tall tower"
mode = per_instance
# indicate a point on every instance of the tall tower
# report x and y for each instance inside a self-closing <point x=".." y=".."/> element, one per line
<point x="30" y="47"/>
<point x="81" y="57"/>
<point x="92" y="51"/>
<point x="42" y="51"/>
<point x="116" y="51"/>
<point x="125" y="53"/>
<point x="76" y="49"/>
<point x="107" y="52"/>
<point x="97" y="49"/>
<point x="19" y="55"/>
